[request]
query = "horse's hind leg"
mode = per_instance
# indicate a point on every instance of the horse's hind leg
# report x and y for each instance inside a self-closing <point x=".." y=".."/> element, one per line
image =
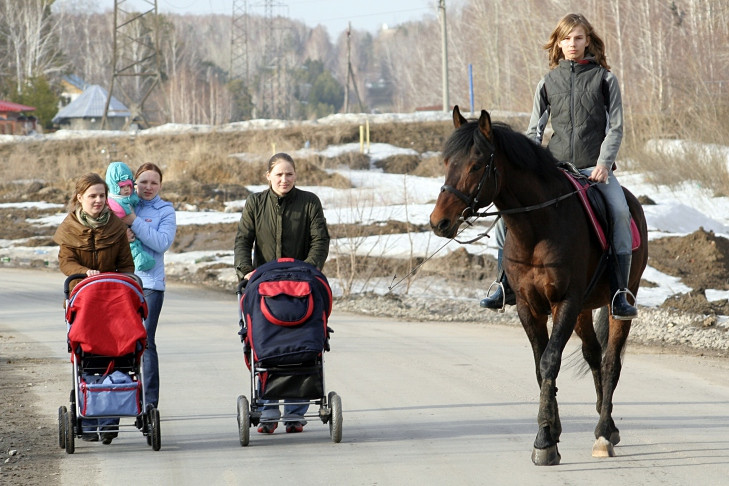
<point x="591" y="351"/>
<point x="606" y="433"/>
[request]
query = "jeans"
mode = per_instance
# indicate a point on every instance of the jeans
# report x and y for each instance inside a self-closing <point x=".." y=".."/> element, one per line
<point x="292" y="413"/>
<point x="150" y="362"/>
<point x="92" y="426"/>
<point x="618" y="210"/>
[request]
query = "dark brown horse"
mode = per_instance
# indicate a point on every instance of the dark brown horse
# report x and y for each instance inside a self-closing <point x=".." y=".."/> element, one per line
<point x="550" y="258"/>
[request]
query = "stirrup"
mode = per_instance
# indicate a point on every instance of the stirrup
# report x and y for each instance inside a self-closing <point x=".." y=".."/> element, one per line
<point x="626" y="291"/>
<point x="499" y="284"/>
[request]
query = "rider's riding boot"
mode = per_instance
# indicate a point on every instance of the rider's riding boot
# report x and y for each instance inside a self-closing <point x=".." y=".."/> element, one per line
<point x="500" y="298"/>
<point x="621" y="309"/>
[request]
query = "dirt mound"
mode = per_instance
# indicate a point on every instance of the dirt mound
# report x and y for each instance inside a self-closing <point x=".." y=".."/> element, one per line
<point x="700" y="260"/>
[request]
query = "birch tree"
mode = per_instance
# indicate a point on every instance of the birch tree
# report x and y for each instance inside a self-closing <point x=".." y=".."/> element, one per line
<point x="30" y="32"/>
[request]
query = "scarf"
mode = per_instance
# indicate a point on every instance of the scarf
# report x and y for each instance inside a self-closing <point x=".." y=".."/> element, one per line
<point x="91" y="222"/>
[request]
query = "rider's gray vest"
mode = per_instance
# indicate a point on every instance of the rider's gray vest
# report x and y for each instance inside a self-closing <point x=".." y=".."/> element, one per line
<point x="578" y="96"/>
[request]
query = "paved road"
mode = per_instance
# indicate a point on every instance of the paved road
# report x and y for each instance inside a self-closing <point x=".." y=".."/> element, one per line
<point x="424" y="403"/>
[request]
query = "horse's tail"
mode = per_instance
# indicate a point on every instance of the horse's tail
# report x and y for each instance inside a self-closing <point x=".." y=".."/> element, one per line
<point x="601" y="324"/>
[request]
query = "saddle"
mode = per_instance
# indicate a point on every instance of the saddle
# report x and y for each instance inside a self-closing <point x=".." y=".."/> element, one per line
<point x="597" y="209"/>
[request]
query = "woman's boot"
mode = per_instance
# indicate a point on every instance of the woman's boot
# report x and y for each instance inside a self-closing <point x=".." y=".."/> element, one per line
<point x="503" y="295"/>
<point x="621" y="308"/>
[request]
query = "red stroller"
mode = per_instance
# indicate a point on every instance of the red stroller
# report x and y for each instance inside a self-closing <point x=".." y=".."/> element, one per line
<point x="106" y="338"/>
<point x="283" y="319"/>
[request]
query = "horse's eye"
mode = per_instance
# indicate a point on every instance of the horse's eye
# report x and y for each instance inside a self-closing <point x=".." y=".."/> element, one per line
<point x="476" y="167"/>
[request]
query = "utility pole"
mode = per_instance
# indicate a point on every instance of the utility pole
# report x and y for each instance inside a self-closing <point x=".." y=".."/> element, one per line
<point x="444" y="52"/>
<point x="135" y="59"/>
<point x="350" y="73"/>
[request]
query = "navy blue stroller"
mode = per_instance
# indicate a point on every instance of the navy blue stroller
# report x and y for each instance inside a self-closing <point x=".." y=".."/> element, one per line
<point x="283" y="312"/>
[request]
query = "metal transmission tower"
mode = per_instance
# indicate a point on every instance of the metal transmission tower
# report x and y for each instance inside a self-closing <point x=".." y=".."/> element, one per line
<point x="239" y="42"/>
<point x="274" y="69"/>
<point x="135" y="58"/>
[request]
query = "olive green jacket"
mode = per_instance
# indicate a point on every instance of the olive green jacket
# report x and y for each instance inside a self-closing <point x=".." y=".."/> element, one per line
<point x="273" y="227"/>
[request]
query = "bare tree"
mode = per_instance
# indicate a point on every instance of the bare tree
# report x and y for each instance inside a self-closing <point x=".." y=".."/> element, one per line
<point x="31" y="35"/>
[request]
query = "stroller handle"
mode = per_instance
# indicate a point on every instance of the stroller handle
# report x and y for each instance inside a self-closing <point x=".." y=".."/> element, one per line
<point x="71" y="278"/>
<point x="81" y="276"/>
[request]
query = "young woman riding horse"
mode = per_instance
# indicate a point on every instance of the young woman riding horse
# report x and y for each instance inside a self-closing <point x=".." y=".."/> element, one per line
<point x="552" y="256"/>
<point x="583" y="99"/>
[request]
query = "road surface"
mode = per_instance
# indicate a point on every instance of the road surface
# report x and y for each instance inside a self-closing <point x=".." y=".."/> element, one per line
<point x="424" y="403"/>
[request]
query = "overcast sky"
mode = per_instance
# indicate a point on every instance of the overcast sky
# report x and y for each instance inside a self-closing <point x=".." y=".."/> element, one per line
<point x="333" y="14"/>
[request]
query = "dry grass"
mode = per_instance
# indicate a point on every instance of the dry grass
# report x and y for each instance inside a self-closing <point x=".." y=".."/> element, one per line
<point x="671" y="165"/>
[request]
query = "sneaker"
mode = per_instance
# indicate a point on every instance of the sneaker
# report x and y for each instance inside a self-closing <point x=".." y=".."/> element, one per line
<point x="90" y="437"/>
<point x="106" y="438"/>
<point x="267" y="427"/>
<point x="294" y="427"/>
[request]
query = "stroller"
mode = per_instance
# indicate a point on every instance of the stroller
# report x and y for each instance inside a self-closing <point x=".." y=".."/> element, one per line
<point x="283" y="315"/>
<point x="106" y="338"/>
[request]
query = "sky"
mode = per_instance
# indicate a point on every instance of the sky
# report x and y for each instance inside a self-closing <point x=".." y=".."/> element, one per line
<point x="377" y="197"/>
<point x="333" y="14"/>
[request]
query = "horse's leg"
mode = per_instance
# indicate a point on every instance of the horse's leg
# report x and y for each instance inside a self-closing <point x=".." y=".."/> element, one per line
<point x="545" y="452"/>
<point x="535" y="328"/>
<point x="591" y="351"/>
<point x="606" y="433"/>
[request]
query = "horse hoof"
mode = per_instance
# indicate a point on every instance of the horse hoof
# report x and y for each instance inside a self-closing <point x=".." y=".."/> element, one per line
<point x="546" y="457"/>
<point x="603" y="448"/>
<point x="615" y="438"/>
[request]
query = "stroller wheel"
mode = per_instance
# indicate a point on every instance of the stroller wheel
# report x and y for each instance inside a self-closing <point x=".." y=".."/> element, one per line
<point x="335" y="421"/>
<point x="62" y="427"/>
<point x="69" y="433"/>
<point x="244" y="421"/>
<point x="155" y="437"/>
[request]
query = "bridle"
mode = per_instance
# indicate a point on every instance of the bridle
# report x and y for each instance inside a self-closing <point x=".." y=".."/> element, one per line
<point x="489" y="170"/>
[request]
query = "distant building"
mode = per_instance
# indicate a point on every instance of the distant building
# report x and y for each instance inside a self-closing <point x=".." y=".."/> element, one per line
<point x="87" y="111"/>
<point x="72" y="86"/>
<point x="14" y="119"/>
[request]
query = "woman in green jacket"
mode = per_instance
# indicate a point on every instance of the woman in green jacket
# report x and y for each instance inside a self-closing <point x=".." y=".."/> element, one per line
<point x="281" y="222"/>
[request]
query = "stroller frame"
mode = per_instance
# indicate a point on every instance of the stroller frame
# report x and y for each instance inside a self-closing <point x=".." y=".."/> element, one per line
<point x="249" y="414"/>
<point x="70" y="420"/>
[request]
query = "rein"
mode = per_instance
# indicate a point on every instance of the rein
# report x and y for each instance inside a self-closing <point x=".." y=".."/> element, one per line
<point x="533" y="207"/>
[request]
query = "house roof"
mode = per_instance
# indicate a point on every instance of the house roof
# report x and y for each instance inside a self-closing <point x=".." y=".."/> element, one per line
<point x="90" y="104"/>
<point x="14" y="107"/>
<point x="75" y="81"/>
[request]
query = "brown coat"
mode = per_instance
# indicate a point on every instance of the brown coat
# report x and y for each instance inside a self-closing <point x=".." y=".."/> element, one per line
<point x="105" y="249"/>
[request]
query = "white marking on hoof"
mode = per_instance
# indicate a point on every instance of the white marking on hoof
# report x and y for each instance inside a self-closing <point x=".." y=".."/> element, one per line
<point x="603" y="448"/>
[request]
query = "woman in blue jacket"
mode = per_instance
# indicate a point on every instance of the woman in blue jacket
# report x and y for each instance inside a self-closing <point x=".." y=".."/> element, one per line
<point x="154" y="225"/>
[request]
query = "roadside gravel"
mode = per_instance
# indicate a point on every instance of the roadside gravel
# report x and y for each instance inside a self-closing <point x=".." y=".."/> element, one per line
<point x="657" y="328"/>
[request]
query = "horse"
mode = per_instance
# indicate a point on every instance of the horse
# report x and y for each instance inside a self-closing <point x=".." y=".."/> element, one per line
<point x="552" y="259"/>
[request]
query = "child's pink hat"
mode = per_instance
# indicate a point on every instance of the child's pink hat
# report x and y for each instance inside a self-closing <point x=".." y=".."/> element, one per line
<point x="127" y="182"/>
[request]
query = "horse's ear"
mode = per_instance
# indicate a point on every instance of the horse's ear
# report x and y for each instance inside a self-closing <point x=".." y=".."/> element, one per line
<point x="458" y="119"/>
<point x="484" y="124"/>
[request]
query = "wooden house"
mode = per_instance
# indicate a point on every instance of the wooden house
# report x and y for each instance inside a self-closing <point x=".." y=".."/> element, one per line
<point x="14" y="119"/>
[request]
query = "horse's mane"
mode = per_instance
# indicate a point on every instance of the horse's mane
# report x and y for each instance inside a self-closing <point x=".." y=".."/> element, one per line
<point x="519" y="149"/>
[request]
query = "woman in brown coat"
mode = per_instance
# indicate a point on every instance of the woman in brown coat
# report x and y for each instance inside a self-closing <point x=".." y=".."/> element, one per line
<point x="93" y="240"/>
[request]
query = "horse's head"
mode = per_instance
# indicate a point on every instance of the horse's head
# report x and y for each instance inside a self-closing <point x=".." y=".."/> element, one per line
<point x="470" y="181"/>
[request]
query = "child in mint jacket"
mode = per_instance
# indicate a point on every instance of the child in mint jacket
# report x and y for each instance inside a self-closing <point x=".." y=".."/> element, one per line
<point x="122" y="199"/>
